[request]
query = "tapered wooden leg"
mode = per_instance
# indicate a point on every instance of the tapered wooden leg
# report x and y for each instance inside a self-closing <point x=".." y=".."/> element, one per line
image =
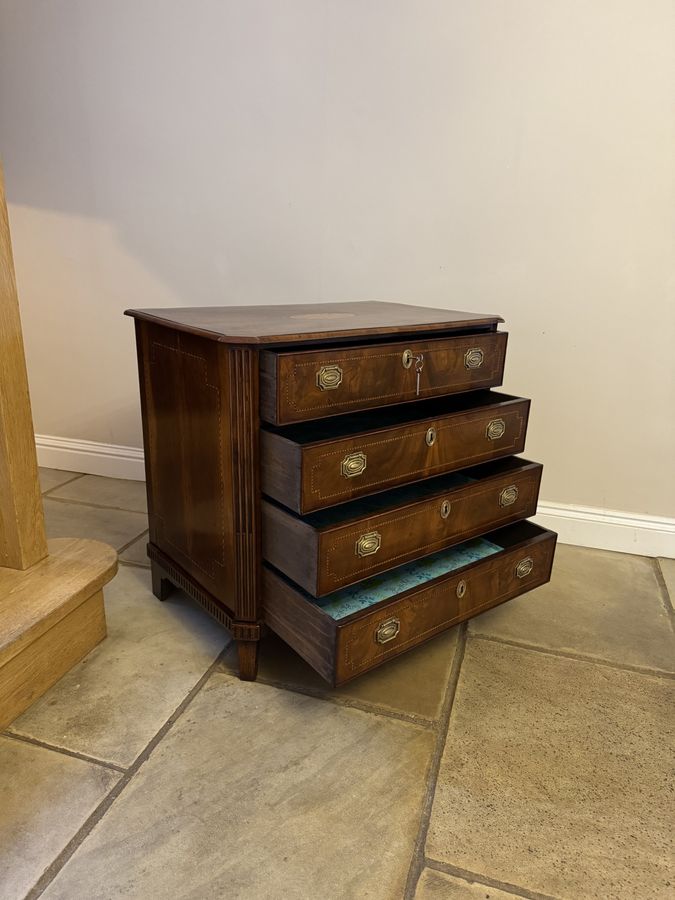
<point x="248" y="660"/>
<point x="161" y="586"/>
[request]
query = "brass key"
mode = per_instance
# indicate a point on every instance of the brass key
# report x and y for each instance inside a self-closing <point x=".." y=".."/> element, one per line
<point x="419" y="363"/>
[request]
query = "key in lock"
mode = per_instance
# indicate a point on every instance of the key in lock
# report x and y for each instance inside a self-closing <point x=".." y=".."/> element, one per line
<point x="419" y="365"/>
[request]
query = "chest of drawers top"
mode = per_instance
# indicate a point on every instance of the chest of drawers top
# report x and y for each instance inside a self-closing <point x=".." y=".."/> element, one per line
<point x="263" y="325"/>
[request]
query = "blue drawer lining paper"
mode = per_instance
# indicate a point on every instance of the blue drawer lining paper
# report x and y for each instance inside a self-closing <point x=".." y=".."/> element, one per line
<point x="382" y="587"/>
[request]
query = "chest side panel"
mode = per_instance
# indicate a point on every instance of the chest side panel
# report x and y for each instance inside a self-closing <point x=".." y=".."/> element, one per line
<point x="201" y="456"/>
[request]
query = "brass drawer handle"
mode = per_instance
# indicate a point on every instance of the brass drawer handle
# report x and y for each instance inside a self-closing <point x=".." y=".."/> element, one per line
<point x="368" y="544"/>
<point x="353" y="464"/>
<point x="328" y="378"/>
<point x="387" y="631"/>
<point x="445" y="509"/>
<point x="495" y="429"/>
<point x="430" y="437"/>
<point x="524" y="567"/>
<point x="407" y="358"/>
<point x="508" y="495"/>
<point x="473" y="358"/>
<point x="461" y="589"/>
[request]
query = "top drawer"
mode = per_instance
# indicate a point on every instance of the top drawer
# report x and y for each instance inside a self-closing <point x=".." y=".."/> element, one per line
<point x="311" y="384"/>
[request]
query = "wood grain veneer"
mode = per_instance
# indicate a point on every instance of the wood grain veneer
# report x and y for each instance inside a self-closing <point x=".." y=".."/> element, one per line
<point x="373" y="375"/>
<point x="312" y="322"/>
<point x="321" y="555"/>
<point x="302" y="466"/>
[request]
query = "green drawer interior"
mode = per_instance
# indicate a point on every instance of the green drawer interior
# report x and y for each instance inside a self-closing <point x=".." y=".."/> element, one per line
<point x="374" y="590"/>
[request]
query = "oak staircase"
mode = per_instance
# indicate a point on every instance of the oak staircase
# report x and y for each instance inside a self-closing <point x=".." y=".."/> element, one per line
<point x="51" y="593"/>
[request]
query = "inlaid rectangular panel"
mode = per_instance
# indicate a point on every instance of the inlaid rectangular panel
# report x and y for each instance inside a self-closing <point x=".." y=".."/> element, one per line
<point x="200" y="426"/>
<point x="334" y="548"/>
<point x="310" y="384"/>
<point x="312" y="466"/>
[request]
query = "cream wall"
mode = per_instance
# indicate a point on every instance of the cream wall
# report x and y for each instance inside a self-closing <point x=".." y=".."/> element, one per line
<point x="512" y="157"/>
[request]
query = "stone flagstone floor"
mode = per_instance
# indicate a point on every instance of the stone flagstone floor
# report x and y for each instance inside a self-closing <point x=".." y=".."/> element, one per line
<point x="528" y="754"/>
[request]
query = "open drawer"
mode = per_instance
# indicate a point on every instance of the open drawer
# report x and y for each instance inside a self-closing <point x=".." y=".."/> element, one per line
<point x="358" y="628"/>
<point x="297" y="385"/>
<point x="336" y="547"/>
<point x="318" y="464"/>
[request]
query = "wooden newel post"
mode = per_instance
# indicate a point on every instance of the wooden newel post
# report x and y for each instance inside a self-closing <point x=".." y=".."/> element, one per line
<point x="51" y="598"/>
<point x="22" y="530"/>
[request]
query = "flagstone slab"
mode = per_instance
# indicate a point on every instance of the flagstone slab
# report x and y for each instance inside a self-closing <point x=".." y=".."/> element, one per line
<point x="45" y="798"/>
<point x="258" y="792"/>
<point x="557" y="775"/>
<point x="600" y="604"/>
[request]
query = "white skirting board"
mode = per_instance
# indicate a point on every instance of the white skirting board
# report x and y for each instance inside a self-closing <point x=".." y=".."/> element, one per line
<point x="90" y="457"/>
<point x="585" y="526"/>
<point x="608" y="529"/>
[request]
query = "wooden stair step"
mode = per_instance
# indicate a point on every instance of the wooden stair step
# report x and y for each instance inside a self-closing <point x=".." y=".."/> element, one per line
<point x="51" y="616"/>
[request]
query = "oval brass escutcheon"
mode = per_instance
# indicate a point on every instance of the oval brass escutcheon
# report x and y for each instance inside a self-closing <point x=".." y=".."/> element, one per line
<point x="430" y="436"/>
<point x="495" y="429"/>
<point x="353" y="464"/>
<point x="461" y="589"/>
<point x="387" y="631"/>
<point x="508" y="495"/>
<point x="407" y="358"/>
<point x="368" y="544"/>
<point x="445" y="509"/>
<point x="473" y="358"/>
<point x="524" y="567"/>
<point x="328" y="378"/>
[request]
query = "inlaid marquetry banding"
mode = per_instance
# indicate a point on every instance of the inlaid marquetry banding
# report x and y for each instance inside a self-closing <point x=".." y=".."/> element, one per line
<point x="333" y="551"/>
<point x="293" y="403"/>
<point x="422" y="598"/>
<point x="185" y="583"/>
<point x="315" y="489"/>
<point x="243" y="395"/>
<point x="157" y="347"/>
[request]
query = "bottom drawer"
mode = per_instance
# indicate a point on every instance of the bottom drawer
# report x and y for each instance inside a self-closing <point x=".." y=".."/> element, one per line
<point x="358" y="628"/>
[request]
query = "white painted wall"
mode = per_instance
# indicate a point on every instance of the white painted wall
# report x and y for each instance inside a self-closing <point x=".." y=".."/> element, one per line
<point x="512" y="157"/>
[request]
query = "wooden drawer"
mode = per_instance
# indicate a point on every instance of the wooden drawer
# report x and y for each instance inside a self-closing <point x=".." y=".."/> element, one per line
<point x="394" y="612"/>
<point x="311" y="384"/>
<point x="315" y="465"/>
<point x="334" y="548"/>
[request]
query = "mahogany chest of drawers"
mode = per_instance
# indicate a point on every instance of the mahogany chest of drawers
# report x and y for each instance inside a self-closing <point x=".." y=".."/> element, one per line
<point x="340" y="473"/>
